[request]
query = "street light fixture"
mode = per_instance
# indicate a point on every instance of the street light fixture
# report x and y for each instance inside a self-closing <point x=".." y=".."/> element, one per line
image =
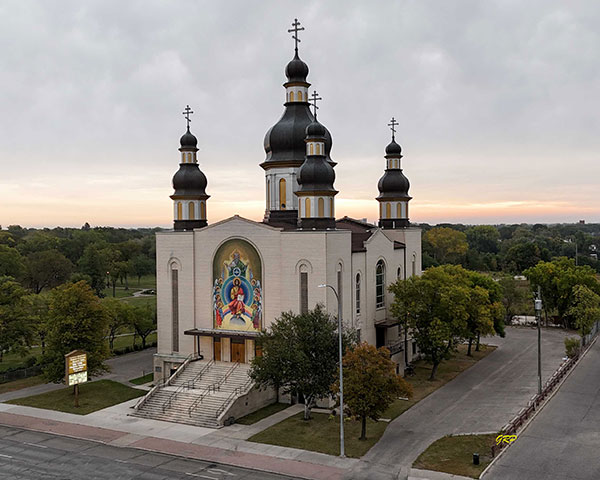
<point x="323" y="285"/>
<point x="537" y="304"/>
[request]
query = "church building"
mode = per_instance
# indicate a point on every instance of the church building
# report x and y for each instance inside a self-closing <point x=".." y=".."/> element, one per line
<point x="219" y="284"/>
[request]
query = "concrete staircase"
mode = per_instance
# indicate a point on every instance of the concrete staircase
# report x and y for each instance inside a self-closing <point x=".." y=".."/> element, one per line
<point x="199" y="395"/>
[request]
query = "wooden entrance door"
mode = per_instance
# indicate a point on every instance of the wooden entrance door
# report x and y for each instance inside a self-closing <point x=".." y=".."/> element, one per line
<point x="217" y="349"/>
<point x="238" y="351"/>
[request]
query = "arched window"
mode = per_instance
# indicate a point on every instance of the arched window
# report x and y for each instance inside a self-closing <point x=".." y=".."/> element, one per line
<point x="202" y="211"/>
<point x="268" y="194"/>
<point x="399" y="273"/>
<point x="179" y="211"/>
<point x="399" y="210"/>
<point x="307" y="208"/>
<point x="303" y="289"/>
<point x="380" y="284"/>
<point x="414" y="264"/>
<point x="299" y="96"/>
<point x="318" y="149"/>
<point x="357" y="294"/>
<point x="331" y="212"/>
<point x="174" y="308"/>
<point x="191" y="211"/>
<point x="321" y="206"/>
<point x="282" y="193"/>
<point x="312" y="151"/>
<point x="388" y="210"/>
<point x="291" y="96"/>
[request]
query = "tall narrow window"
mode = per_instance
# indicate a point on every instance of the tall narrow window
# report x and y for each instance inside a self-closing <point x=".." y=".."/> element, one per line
<point x="307" y="208"/>
<point x="380" y="284"/>
<point x="291" y="96"/>
<point x="179" y="211"/>
<point x="414" y="265"/>
<point x="357" y="294"/>
<point x="388" y="210"/>
<point x="312" y="149"/>
<point x="303" y="292"/>
<point x="175" y="309"/>
<point x="318" y="149"/>
<point x="268" y="194"/>
<point x="331" y="212"/>
<point x="299" y="96"/>
<point x="399" y="210"/>
<point x="399" y="273"/>
<point x="191" y="211"/>
<point x="321" y="205"/>
<point x="282" y="193"/>
<point x="202" y="211"/>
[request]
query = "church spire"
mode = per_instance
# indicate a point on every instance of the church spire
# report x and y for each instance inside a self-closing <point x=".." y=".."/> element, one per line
<point x="316" y="194"/>
<point x="393" y="187"/>
<point x="189" y="183"/>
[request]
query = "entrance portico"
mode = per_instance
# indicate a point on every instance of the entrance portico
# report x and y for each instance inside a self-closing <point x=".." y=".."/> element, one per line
<point x="225" y="345"/>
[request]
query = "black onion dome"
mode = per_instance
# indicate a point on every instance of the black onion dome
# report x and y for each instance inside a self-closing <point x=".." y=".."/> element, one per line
<point x="393" y="149"/>
<point x="188" y="140"/>
<point x="316" y="174"/>
<point x="393" y="184"/>
<point x="315" y="129"/>
<point x="296" y="70"/>
<point x="284" y="142"/>
<point x="189" y="180"/>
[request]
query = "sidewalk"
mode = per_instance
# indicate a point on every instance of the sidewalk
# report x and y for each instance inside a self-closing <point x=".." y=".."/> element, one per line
<point x="227" y="446"/>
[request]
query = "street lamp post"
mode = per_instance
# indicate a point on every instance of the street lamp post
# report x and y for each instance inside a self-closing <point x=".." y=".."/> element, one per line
<point x="342" y="453"/>
<point x="538" y="313"/>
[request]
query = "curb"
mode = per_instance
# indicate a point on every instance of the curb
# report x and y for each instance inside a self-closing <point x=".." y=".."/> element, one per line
<point x="538" y="410"/>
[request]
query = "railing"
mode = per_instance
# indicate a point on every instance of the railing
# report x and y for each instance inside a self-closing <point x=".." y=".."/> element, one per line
<point x="198" y="401"/>
<point x="192" y="383"/>
<point x="395" y="347"/>
<point x="234" y="394"/>
<point x="215" y="387"/>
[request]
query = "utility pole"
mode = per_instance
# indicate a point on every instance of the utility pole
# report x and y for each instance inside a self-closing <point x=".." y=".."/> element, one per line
<point x="538" y="312"/>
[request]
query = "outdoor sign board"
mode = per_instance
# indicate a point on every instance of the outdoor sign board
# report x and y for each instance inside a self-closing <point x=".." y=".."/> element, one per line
<point x="75" y="367"/>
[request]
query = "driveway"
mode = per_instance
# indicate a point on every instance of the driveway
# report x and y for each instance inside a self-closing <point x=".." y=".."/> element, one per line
<point x="563" y="441"/>
<point x="482" y="399"/>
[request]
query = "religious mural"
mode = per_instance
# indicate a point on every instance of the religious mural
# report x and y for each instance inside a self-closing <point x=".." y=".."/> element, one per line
<point x="237" y="291"/>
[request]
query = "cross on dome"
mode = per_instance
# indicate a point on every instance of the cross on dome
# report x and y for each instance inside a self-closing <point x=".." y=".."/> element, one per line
<point x="392" y="126"/>
<point x="296" y="29"/>
<point x="186" y="113"/>
<point x="313" y="102"/>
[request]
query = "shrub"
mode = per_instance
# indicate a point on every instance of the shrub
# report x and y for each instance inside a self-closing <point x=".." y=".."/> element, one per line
<point x="571" y="346"/>
<point x="30" y="362"/>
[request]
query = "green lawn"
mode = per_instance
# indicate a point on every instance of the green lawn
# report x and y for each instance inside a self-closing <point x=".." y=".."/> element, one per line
<point x="320" y="434"/>
<point x="12" y="360"/>
<point x="93" y="396"/>
<point x="454" y="454"/>
<point x="127" y="341"/>
<point x="142" y="380"/>
<point x="146" y="282"/>
<point x="262" y="413"/>
<point x="21" y="383"/>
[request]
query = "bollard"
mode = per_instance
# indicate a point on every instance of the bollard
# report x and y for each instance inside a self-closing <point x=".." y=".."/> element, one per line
<point x="475" y="459"/>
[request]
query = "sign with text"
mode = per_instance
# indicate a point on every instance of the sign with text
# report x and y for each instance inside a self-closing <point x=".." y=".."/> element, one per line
<point x="75" y="367"/>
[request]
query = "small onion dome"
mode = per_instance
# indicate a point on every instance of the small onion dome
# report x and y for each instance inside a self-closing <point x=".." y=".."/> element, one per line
<point x="188" y="140"/>
<point x="296" y="70"/>
<point x="315" y="129"/>
<point x="393" y="149"/>
<point x="393" y="184"/>
<point x="189" y="180"/>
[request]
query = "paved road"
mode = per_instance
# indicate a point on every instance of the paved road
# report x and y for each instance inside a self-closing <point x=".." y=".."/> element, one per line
<point x="27" y="455"/>
<point x="563" y="441"/>
<point x="482" y="399"/>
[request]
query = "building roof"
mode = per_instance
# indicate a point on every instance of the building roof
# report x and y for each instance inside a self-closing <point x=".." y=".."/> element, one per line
<point x="361" y="232"/>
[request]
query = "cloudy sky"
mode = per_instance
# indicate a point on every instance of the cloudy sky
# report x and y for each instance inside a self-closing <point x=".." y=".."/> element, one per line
<point x="497" y="104"/>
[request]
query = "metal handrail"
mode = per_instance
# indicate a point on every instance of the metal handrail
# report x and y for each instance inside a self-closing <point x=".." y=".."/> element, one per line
<point x="169" y="401"/>
<point x="199" y="375"/>
<point x="200" y="398"/>
<point x="162" y="382"/>
<point x="228" y="374"/>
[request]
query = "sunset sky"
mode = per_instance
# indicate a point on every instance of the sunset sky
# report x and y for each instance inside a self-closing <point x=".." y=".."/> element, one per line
<point x="497" y="104"/>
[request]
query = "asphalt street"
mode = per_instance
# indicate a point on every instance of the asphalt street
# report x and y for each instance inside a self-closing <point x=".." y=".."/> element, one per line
<point x="563" y="441"/>
<point x="482" y="399"/>
<point x="28" y="455"/>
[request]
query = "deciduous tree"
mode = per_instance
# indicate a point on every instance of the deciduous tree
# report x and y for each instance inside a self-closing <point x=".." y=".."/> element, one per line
<point x="16" y="330"/>
<point x="46" y="269"/>
<point x="584" y="310"/>
<point x="446" y="244"/>
<point x="370" y="383"/>
<point x="76" y="321"/>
